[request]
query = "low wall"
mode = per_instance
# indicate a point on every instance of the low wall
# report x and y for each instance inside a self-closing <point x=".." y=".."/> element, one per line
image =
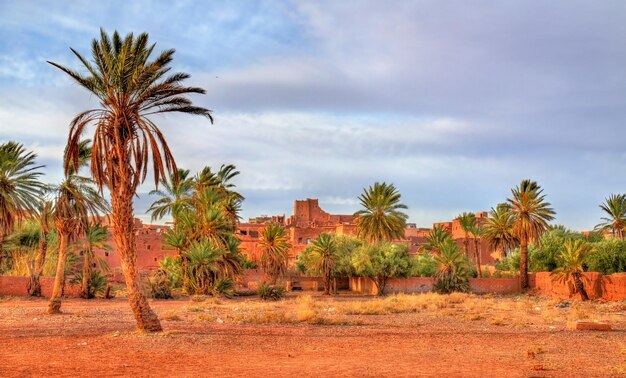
<point x="363" y="285"/>
<point x="251" y="278"/>
<point x="18" y="287"/>
<point x="598" y="286"/>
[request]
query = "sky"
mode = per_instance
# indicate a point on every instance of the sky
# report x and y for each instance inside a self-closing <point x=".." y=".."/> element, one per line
<point x="453" y="102"/>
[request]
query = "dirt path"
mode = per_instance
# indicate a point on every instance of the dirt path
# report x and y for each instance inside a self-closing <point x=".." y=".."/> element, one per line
<point x="96" y="338"/>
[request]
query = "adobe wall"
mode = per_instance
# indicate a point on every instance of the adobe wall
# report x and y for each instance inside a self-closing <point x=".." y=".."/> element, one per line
<point x="598" y="286"/>
<point x="363" y="285"/>
<point x="17" y="286"/>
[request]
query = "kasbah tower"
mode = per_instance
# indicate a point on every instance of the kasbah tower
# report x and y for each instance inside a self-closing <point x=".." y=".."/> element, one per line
<point x="305" y="225"/>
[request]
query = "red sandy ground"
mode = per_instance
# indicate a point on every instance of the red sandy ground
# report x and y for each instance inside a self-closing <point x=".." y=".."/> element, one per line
<point x="97" y="338"/>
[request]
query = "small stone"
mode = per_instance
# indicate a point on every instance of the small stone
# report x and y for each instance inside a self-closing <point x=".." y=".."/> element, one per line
<point x="588" y="326"/>
<point x="116" y="334"/>
<point x="219" y="320"/>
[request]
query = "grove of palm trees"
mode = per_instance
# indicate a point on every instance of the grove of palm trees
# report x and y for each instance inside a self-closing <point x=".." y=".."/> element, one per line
<point x="370" y="293"/>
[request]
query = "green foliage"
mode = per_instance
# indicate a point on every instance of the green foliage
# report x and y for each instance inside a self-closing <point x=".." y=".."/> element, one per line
<point x="436" y="239"/>
<point x="510" y="263"/>
<point x="248" y="264"/>
<point x="172" y="267"/>
<point x="97" y="282"/>
<point x="609" y="256"/>
<point x="453" y="270"/>
<point x="424" y="265"/>
<point x="158" y="285"/>
<point x="381" y="261"/>
<point x="223" y="287"/>
<point x="381" y="218"/>
<point x="275" y="245"/>
<point x="615" y="220"/>
<point x="271" y="292"/>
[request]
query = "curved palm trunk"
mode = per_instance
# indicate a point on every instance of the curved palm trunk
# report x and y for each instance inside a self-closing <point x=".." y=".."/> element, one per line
<point x="124" y="236"/>
<point x="578" y="283"/>
<point x="34" y="286"/>
<point x="85" y="284"/>
<point x="54" y="307"/>
<point x="477" y="256"/>
<point x="523" y="264"/>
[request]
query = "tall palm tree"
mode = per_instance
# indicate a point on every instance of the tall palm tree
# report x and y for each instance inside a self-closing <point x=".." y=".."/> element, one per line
<point x="381" y="218"/>
<point x="44" y="219"/>
<point x="572" y="259"/>
<point x="498" y="229"/>
<point x="467" y="222"/>
<point x="221" y="183"/>
<point x="615" y="221"/>
<point x="531" y="214"/>
<point x="436" y="238"/>
<point x="96" y="236"/>
<point x="175" y="195"/>
<point x="75" y="202"/>
<point x="131" y="88"/>
<point x="275" y="246"/>
<point x="324" y="257"/>
<point x="20" y="187"/>
<point x="478" y="232"/>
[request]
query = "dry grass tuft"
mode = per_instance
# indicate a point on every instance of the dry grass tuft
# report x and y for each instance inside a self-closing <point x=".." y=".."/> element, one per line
<point x="171" y="316"/>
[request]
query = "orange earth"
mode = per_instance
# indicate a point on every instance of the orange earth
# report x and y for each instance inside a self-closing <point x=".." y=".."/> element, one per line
<point x="427" y="335"/>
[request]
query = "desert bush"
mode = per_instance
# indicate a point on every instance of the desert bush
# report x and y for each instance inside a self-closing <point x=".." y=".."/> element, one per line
<point x="380" y="262"/>
<point x="158" y="285"/>
<point x="223" y="287"/>
<point x="423" y="266"/>
<point x="271" y="292"/>
<point x="609" y="257"/>
<point x="173" y="268"/>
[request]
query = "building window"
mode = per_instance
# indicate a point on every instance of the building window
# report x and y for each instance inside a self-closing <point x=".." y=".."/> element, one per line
<point x="299" y="240"/>
<point x="148" y="247"/>
<point x="106" y="254"/>
<point x="243" y="232"/>
<point x="308" y="240"/>
<point x="155" y="259"/>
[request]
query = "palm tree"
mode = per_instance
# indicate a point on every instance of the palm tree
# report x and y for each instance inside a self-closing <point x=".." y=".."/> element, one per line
<point x="175" y="195"/>
<point x="477" y="231"/>
<point x="221" y="183"/>
<point x="572" y="258"/>
<point x="531" y="214"/>
<point x="44" y="219"/>
<point x="381" y="218"/>
<point x="466" y="221"/>
<point x="96" y="236"/>
<point x="324" y="257"/>
<point x="20" y="187"/>
<point x="75" y="201"/>
<point x="275" y="246"/>
<point x="436" y="239"/>
<point x="453" y="270"/>
<point x="130" y="88"/>
<point x="615" y="221"/>
<point x="498" y="229"/>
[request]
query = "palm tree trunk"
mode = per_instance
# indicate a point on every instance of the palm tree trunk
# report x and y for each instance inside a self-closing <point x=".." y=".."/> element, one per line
<point x="477" y="256"/>
<point x="84" y="291"/>
<point x="184" y="264"/>
<point x="57" y="290"/>
<point x="124" y="236"/>
<point x="34" y="286"/>
<point x="466" y="242"/>
<point x="578" y="283"/>
<point x="523" y="264"/>
<point x="1" y="247"/>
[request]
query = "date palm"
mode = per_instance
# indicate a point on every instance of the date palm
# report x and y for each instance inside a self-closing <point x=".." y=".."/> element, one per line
<point x="572" y="259"/>
<point x="175" y="195"/>
<point x="20" y="188"/>
<point x="615" y="220"/>
<point x="498" y="229"/>
<point x="75" y="201"/>
<point x="381" y="218"/>
<point x="44" y="219"/>
<point x="436" y="238"/>
<point x="531" y="214"/>
<point x="324" y="257"/>
<point x="95" y="237"/>
<point x="131" y="88"/>
<point x="275" y="246"/>
<point x="467" y="222"/>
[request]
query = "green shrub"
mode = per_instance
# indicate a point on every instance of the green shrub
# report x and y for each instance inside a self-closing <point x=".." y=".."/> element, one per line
<point x="158" y="285"/>
<point x="97" y="283"/>
<point x="381" y="261"/>
<point x="453" y="270"/>
<point x="271" y="292"/>
<point x="609" y="257"/>
<point x="223" y="287"/>
<point x="423" y="266"/>
<point x="173" y="268"/>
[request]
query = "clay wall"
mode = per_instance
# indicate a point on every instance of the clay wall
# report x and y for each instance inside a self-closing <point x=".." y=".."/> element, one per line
<point x="598" y="286"/>
<point x="17" y="286"/>
<point x="365" y="285"/>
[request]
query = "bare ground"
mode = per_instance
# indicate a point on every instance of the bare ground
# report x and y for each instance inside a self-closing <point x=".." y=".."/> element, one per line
<point x="423" y="335"/>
